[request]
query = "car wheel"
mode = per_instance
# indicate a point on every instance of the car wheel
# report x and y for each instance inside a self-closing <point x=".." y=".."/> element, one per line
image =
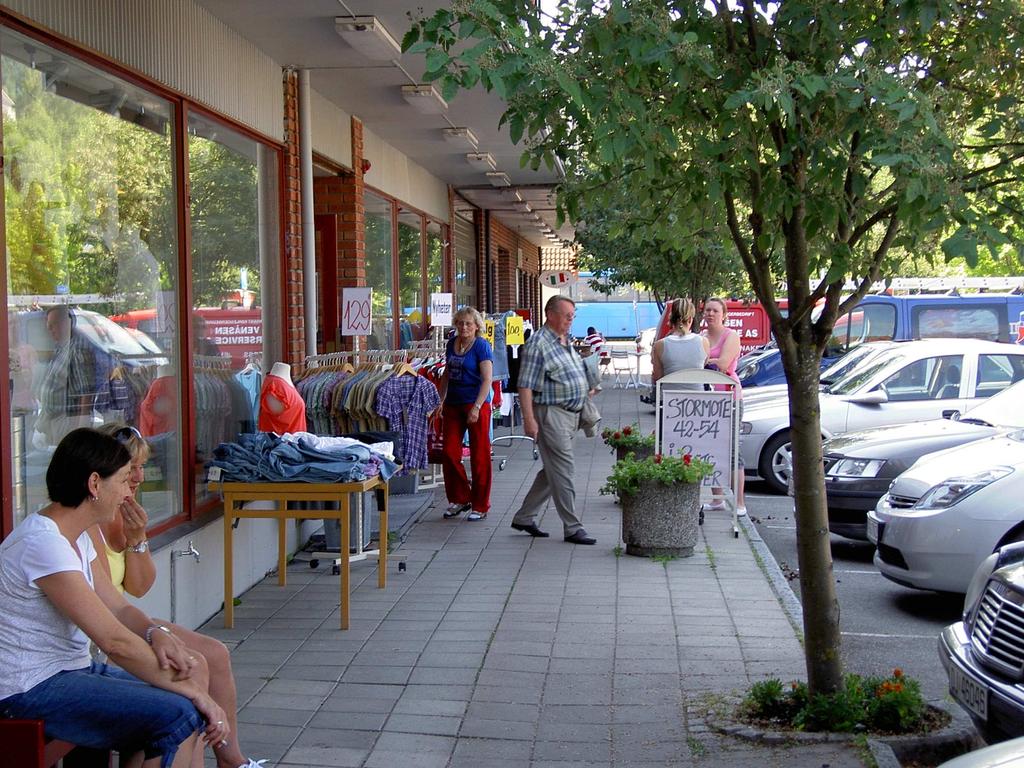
<point x="776" y="462"/>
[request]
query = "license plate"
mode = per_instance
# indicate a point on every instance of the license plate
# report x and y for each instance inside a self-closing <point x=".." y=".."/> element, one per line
<point x="968" y="692"/>
<point x="874" y="530"/>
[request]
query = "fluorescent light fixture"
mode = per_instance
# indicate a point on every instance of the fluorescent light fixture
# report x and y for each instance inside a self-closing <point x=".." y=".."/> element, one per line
<point x="499" y="179"/>
<point x="522" y="206"/>
<point x="460" y="137"/>
<point x="482" y="161"/>
<point x="424" y="99"/>
<point x="368" y="36"/>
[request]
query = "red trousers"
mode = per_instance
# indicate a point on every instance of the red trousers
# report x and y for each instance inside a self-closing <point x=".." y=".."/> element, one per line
<point x="456" y="484"/>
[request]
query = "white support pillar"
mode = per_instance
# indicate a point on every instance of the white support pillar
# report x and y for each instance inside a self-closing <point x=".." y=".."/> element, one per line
<point x="309" y="297"/>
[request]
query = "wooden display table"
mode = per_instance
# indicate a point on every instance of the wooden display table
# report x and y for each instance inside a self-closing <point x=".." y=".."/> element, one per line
<point x="235" y="494"/>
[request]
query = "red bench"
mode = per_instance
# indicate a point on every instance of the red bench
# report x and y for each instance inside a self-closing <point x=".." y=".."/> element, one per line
<point x="26" y="746"/>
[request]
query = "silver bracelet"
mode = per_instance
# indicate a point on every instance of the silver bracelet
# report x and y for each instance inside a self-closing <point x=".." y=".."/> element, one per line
<point x="151" y="628"/>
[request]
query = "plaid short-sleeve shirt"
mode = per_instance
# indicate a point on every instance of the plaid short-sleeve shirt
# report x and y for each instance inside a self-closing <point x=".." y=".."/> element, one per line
<point x="555" y="372"/>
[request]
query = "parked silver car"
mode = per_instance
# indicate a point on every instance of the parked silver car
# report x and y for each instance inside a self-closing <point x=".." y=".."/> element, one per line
<point x="984" y="653"/>
<point x="913" y="381"/>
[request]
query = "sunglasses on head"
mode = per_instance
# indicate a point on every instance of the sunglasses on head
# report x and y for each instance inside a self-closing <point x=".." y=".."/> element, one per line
<point x="125" y="435"/>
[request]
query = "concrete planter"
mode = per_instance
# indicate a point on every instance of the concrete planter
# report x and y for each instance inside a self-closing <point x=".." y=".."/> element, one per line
<point x="661" y="519"/>
<point x="641" y="453"/>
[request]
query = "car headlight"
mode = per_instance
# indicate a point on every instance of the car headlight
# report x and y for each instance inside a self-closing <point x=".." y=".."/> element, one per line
<point x="748" y="371"/>
<point x="746" y="427"/>
<point x="956" y="489"/>
<point x="856" y="468"/>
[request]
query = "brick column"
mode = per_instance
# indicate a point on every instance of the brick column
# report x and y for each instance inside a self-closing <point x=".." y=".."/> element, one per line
<point x="294" y="340"/>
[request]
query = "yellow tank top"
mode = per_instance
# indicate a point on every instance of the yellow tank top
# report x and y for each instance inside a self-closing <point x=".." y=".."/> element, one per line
<point x="117" y="567"/>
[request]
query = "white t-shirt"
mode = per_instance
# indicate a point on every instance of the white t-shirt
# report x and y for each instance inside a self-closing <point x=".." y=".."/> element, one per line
<point x="36" y="640"/>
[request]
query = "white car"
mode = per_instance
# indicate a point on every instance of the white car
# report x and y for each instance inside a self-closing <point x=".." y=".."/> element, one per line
<point x="948" y="512"/>
<point x="830" y="376"/>
<point x="911" y="381"/>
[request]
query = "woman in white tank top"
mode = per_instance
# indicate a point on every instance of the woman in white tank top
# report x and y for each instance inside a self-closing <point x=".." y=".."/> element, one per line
<point x="681" y="349"/>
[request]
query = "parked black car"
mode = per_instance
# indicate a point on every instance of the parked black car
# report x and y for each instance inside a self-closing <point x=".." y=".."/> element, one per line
<point x="860" y="466"/>
<point x="984" y="654"/>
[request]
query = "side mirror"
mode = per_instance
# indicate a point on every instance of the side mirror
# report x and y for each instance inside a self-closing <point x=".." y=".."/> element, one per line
<point x="952" y="414"/>
<point x="874" y="397"/>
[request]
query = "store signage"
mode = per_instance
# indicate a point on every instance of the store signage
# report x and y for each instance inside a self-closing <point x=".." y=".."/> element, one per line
<point x="355" y="311"/>
<point x="514" y="330"/>
<point x="489" y="331"/>
<point x="440" y="309"/>
<point x="700" y="424"/>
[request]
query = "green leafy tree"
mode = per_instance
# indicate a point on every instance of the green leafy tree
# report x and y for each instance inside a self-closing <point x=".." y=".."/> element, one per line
<point x="614" y="248"/>
<point x="821" y="135"/>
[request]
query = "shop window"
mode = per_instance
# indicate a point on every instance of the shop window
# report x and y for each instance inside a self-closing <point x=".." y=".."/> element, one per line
<point x="435" y="261"/>
<point x="410" y="278"/>
<point x="232" y="181"/>
<point x="378" y="269"/>
<point x="91" y="258"/>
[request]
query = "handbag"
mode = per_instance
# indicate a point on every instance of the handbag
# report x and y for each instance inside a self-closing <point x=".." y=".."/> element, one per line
<point x="435" y="440"/>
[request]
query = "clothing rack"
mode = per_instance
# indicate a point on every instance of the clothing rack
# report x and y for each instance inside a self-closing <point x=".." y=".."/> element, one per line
<point x="503" y="460"/>
<point x="212" y="362"/>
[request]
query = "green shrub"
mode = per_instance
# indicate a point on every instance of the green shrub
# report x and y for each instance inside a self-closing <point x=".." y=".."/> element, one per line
<point x="878" y="704"/>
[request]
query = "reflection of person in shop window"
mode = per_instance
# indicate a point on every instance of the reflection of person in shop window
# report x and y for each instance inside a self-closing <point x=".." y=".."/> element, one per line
<point x="201" y="342"/>
<point x="71" y="384"/>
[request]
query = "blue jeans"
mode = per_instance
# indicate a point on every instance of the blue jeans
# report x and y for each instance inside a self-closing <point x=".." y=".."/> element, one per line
<point x="104" y="707"/>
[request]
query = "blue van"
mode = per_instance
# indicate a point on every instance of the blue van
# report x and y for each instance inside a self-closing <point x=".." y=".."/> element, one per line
<point x="990" y="316"/>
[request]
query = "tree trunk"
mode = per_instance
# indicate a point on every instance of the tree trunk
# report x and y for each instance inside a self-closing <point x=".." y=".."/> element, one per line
<point x="801" y="362"/>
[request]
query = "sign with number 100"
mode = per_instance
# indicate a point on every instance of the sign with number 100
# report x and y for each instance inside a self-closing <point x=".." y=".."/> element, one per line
<point x="355" y="311"/>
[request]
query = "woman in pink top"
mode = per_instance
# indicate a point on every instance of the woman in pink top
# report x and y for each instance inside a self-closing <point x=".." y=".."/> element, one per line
<point x="723" y="355"/>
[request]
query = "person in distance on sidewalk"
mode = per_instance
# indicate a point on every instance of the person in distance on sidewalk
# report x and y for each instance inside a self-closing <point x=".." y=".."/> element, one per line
<point x="554" y="384"/>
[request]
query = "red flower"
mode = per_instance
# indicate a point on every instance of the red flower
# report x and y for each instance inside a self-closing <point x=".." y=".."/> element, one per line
<point x="627" y="430"/>
<point x="617" y="436"/>
<point x="897" y="673"/>
<point x="657" y="458"/>
<point x="687" y="459"/>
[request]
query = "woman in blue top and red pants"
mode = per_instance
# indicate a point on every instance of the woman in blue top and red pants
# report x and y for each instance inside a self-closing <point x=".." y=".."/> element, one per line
<point x="466" y="390"/>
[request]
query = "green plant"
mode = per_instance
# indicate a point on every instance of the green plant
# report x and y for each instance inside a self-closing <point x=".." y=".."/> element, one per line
<point x="630" y="472"/>
<point x="628" y="437"/>
<point x="890" y="704"/>
<point x="617" y="550"/>
<point x="663" y="560"/>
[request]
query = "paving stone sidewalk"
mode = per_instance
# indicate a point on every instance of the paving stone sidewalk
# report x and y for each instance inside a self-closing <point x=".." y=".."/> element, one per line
<point x="497" y="650"/>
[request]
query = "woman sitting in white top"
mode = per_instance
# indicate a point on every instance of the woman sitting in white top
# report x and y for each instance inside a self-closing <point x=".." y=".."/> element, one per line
<point x="155" y="701"/>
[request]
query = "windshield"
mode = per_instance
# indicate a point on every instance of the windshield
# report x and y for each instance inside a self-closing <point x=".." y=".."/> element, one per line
<point x="848" y="362"/>
<point x="858" y="377"/>
<point x="1005" y="409"/>
<point x="109" y="336"/>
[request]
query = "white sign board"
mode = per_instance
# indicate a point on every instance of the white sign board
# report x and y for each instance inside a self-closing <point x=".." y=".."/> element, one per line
<point x="355" y="311"/>
<point x="700" y="424"/>
<point x="440" y="309"/>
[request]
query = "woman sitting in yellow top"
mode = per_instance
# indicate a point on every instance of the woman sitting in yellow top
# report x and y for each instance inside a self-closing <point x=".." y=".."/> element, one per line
<point x="130" y="567"/>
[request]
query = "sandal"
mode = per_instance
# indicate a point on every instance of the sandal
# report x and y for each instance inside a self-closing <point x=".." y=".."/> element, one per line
<point x="474" y="515"/>
<point x="454" y="510"/>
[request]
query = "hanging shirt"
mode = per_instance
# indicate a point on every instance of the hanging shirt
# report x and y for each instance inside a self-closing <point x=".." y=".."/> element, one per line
<point x="406" y="401"/>
<point x="292" y="418"/>
<point x="464" y="377"/>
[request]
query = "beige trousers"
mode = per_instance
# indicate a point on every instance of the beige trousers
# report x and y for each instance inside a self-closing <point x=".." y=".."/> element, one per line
<point x="556" y="431"/>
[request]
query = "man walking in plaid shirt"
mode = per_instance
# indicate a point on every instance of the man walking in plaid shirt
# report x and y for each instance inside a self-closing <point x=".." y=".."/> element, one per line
<point x="553" y="386"/>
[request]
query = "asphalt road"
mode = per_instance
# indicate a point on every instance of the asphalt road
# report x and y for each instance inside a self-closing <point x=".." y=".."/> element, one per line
<point x="883" y="625"/>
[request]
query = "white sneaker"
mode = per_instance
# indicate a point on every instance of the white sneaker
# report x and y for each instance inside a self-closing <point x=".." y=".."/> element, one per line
<point x="252" y="764"/>
<point x="715" y="506"/>
<point x="741" y="511"/>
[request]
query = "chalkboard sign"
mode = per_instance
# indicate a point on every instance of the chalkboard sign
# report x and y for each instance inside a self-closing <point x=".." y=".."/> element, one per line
<point x="700" y="424"/>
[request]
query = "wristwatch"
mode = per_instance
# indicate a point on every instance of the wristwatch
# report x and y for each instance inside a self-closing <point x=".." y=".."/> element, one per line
<point x="142" y="546"/>
<point x="152" y="629"/>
